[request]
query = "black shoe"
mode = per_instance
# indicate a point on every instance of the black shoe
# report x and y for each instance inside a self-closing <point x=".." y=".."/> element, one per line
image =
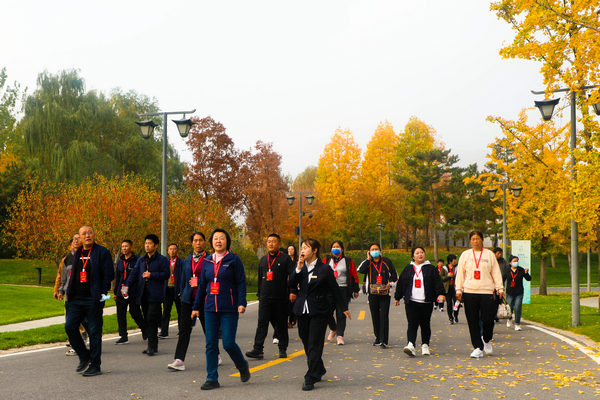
<point x="451" y="322"/>
<point x="376" y="343"/>
<point x="82" y="365"/>
<point x="282" y="354"/>
<point x="259" y="355"/>
<point x="209" y="385"/>
<point x="122" y="340"/>
<point x="456" y="320"/>
<point x="163" y="336"/>
<point x="383" y="346"/>
<point x="245" y="374"/>
<point x="308" y="386"/>
<point x="92" y="371"/>
<point x="149" y="351"/>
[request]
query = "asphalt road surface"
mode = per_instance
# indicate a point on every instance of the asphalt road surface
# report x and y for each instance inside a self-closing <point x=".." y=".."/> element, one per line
<point x="529" y="364"/>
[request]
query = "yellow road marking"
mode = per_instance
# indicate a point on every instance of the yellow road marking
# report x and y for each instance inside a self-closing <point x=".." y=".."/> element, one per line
<point x="274" y="362"/>
<point x="361" y="315"/>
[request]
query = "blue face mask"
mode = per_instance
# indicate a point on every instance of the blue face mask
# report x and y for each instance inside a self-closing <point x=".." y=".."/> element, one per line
<point x="515" y="264"/>
<point x="376" y="254"/>
<point x="335" y="251"/>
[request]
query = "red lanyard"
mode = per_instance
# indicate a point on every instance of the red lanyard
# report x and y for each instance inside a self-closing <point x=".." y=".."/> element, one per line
<point x="270" y="264"/>
<point x="218" y="265"/>
<point x="195" y="265"/>
<point x="417" y="274"/>
<point x="515" y="275"/>
<point x="87" y="259"/>
<point x="125" y="270"/>
<point x="173" y="262"/>
<point x="475" y="258"/>
<point x="335" y="263"/>
<point x="381" y="264"/>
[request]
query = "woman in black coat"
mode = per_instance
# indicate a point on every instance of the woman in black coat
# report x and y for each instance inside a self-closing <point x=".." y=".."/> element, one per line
<point x="420" y="285"/>
<point x="316" y="280"/>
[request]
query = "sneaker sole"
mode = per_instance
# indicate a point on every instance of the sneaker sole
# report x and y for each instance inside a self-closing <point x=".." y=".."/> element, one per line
<point x="409" y="353"/>
<point x="176" y="368"/>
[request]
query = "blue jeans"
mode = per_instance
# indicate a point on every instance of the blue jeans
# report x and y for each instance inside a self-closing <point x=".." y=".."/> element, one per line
<point x="90" y="310"/>
<point x="516" y="305"/>
<point x="228" y="323"/>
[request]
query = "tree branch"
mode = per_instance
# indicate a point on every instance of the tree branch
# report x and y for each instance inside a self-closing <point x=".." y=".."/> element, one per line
<point x="547" y="7"/>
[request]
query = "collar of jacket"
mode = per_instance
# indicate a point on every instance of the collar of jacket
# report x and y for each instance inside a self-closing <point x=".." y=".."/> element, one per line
<point x="132" y="258"/>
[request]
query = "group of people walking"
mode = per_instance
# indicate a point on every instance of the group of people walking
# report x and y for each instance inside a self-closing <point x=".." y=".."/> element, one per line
<point x="303" y="288"/>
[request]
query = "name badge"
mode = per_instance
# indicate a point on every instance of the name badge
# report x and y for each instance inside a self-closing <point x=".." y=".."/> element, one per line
<point x="83" y="276"/>
<point x="379" y="280"/>
<point x="477" y="274"/>
<point x="512" y="284"/>
<point x="214" y="288"/>
<point x="194" y="281"/>
<point x="172" y="278"/>
<point x="335" y="273"/>
<point x="417" y="283"/>
<point x="269" y="275"/>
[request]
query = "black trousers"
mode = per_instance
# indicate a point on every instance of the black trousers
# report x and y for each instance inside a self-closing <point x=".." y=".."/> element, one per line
<point x="275" y="311"/>
<point x="89" y="310"/>
<point x="418" y="315"/>
<point x="337" y="319"/>
<point x="311" y="330"/>
<point x="380" y="315"/>
<point x="170" y="298"/>
<point x="450" y="300"/>
<point x="152" y="316"/>
<point x="480" y="307"/>
<point x="122" y="305"/>
<point x="185" y="330"/>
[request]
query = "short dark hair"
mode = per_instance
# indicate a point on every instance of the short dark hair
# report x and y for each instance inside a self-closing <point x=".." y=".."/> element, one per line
<point x="412" y="253"/>
<point x="275" y="236"/>
<point x="172" y="244"/>
<point x="338" y="242"/>
<point x="512" y="257"/>
<point x="197" y="233"/>
<point x="450" y="258"/>
<point x="152" y="237"/>
<point x="313" y="244"/>
<point x="227" y="237"/>
<point x="497" y="249"/>
<point x="127" y="241"/>
<point x="441" y="260"/>
<point x="375" y="244"/>
<point x="473" y="233"/>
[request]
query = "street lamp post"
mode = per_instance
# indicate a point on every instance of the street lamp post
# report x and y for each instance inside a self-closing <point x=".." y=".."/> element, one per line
<point x="516" y="191"/>
<point x="380" y="226"/>
<point x="546" y="108"/>
<point x="147" y="130"/>
<point x="309" y="199"/>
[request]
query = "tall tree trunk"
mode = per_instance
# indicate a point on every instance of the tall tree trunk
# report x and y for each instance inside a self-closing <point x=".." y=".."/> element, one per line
<point x="543" y="289"/>
<point x="553" y="260"/>
<point x="435" y="243"/>
<point x="569" y="259"/>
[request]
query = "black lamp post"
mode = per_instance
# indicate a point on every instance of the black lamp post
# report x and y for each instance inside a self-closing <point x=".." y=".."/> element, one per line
<point x="309" y="199"/>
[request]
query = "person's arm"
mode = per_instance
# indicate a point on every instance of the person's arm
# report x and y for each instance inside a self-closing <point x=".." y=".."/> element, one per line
<point x="353" y="277"/>
<point x="259" y="281"/>
<point x="201" y="294"/>
<point x="57" y="281"/>
<point x="117" y="287"/>
<point x="108" y="270"/>
<point x="363" y="268"/>
<point x="240" y="281"/>
<point x="460" y="276"/>
<point x="526" y="275"/>
<point x="393" y="273"/>
<point x="496" y="274"/>
<point x="163" y="272"/>
<point x="398" y="294"/>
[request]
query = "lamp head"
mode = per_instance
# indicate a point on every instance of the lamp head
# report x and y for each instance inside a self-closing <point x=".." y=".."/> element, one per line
<point x="546" y="108"/>
<point x="183" y="126"/>
<point x="310" y="198"/>
<point x="146" y="128"/>
<point x="290" y="199"/>
<point x="516" y="191"/>
<point x="491" y="192"/>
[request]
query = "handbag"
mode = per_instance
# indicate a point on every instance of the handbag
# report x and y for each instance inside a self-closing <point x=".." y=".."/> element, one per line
<point x="503" y="310"/>
<point x="379" y="288"/>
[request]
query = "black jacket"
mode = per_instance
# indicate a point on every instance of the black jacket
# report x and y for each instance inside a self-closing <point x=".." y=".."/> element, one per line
<point x="517" y="289"/>
<point x="281" y="267"/>
<point x="432" y="283"/>
<point x="388" y="271"/>
<point x="101" y="271"/>
<point x="315" y="292"/>
<point x="158" y="266"/>
<point x="120" y="276"/>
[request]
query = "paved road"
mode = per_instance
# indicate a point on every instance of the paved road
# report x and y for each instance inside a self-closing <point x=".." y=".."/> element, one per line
<point x="526" y="365"/>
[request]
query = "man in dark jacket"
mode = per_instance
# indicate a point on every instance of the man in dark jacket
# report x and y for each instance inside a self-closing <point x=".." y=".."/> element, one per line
<point x="125" y="265"/>
<point x="87" y="287"/>
<point x="274" y="270"/>
<point x="173" y="293"/>
<point x="149" y="280"/>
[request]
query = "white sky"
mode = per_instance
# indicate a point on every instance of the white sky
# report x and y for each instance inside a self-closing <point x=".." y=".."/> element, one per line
<point x="286" y="72"/>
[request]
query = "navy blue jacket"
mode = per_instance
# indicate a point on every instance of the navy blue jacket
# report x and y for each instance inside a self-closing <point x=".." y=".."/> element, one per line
<point x="281" y="267"/>
<point x="232" y="285"/>
<point x="432" y="283"/>
<point x="101" y="271"/>
<point x="176" y="275"/>
<point x="315" y="292"/>
<point x="158" y="266"/>
<point x="186" y="274"/>
<point x="119" y="281"/>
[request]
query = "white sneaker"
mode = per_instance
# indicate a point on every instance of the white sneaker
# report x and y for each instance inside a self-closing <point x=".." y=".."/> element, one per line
<point x="275" y="341"/>
<point x="477" y="353"/>
<point x="518" y="327"/>
<point x="425" y="350"/>
<point x="508" y="323"/>
<point x="409" y="349"/>
<point x="177" y="365"/>
<point x="220" y="360"/>
<point x="70" y="352"/>
<point x="331" y="335"/>
<point x="487" y="348"/>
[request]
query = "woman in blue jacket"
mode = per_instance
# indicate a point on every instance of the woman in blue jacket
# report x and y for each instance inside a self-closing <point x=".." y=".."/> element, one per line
<point x="222" y="286"/>
<point x="420" y="285"/>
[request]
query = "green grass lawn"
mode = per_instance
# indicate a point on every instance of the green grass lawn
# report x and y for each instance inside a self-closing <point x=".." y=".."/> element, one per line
<point x="23" y="272"/>
<point x="555" y="310"/>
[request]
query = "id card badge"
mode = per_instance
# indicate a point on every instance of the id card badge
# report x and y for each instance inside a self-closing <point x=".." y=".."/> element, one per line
<point x="172" y="278"/>
<point x="379" y="280"/>
<point x="477" y="274"/>
<point x="83" y="276"/>
<point x="194" y="281"/>
<point x="269" y="275"/>
<point x="335" y="273"/>
<point x="214" y="288"/>
<point x="512" y="284"/>
<point x="417" y="283"/>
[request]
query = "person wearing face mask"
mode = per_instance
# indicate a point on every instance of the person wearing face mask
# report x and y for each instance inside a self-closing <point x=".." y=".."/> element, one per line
<point x="347" y="279"/>
<point x="312" y="307"/>
<point x="514" y="289"/>
<point x="380" y="273"/>
<point x="451" y="305"/>
<point x="477" y="276"/>
<point x="420" y="285"/>
<point x="222" y="286"/>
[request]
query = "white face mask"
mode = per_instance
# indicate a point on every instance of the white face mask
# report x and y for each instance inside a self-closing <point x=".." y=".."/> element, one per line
<point x="515" y="264"/>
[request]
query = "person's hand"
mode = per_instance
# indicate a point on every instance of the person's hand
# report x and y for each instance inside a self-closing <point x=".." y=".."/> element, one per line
<point x="501" y="294"/>
<point x="526" y="270"/>
<point x="241" y="309"/>
<point x="291" y="324"/>
<point x="397" y="302"/>
<point x="146" y="274"/>
<point x="347" y="314"/>
<point x="368" y="255"/>
<point x="292" y="297"/>
<point x="459" y="296"/>
<point x="441" y="299"/>
<point x="450" y="275"/>
<point x="356" y="295"/>
<point x="61" y="296"/>
<point x="195" y="314"/>
<point x="56" y="294"/>
<point x="300" y="262"/>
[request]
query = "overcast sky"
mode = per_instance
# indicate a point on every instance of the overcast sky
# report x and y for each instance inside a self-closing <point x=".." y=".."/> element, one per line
<point x="286" y="72"/>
